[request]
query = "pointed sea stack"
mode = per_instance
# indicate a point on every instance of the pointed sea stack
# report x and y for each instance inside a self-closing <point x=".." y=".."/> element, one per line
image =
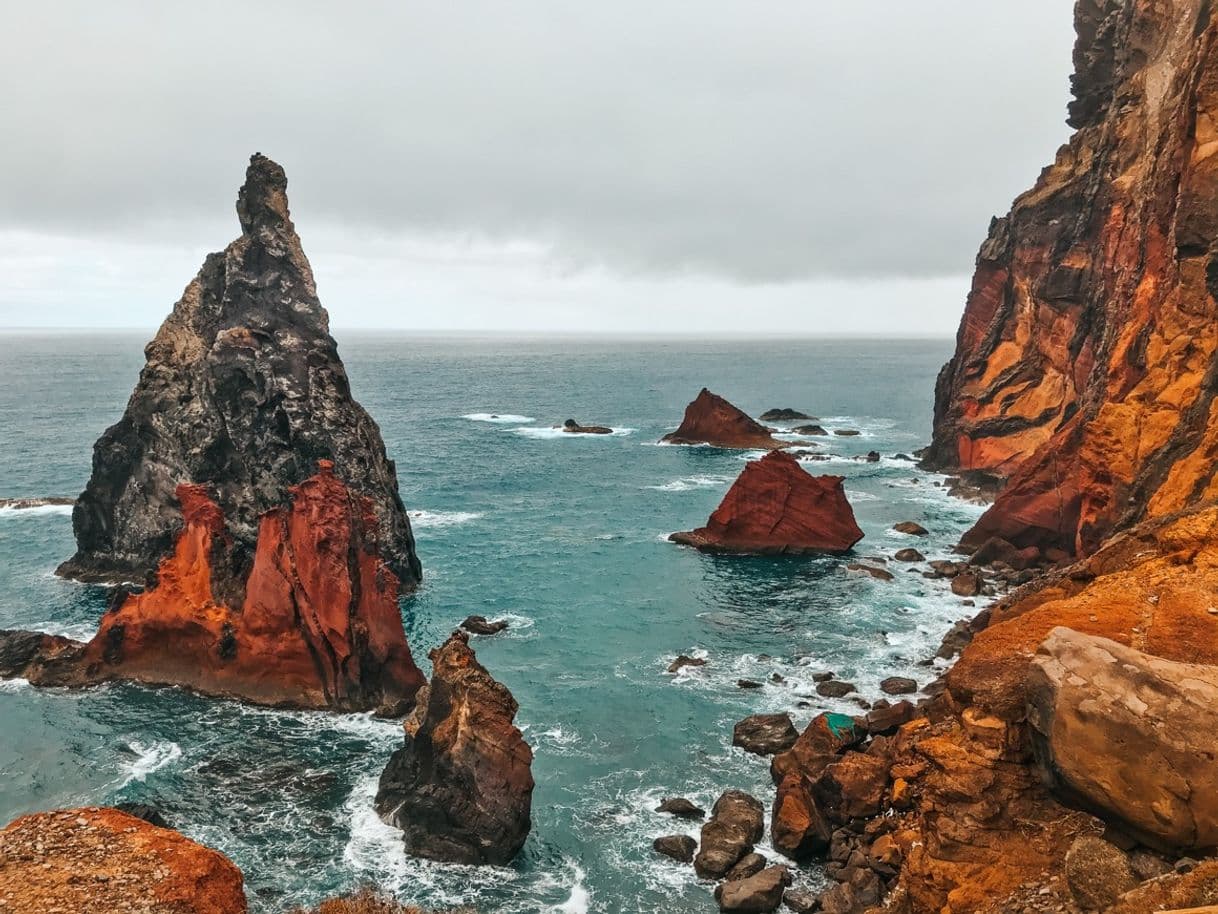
<point x="710" y="419"/>
<point x="243" y="392"/>
<point x="776" y="507"/>
<point x="315" y="624"/>
<point x="461" y="788"/>
<point x="1086" y="364"/>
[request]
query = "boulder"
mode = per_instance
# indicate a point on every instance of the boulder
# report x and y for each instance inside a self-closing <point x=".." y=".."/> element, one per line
<point x="1097" y="873"/>
<point x="681" y="808"/>
<point x="1129" y="735"/>
<point x="765" y="734"/>
<point x="996" y="550"/>
<point x="749" y="865"/>
<point x="825" y="738"/>
<point x="755" y="895"/>
<point x="800" y="901"/>
<point x="834" y="688"/>
<point x="736" y="824"/>
<point x="886" y="720"/>
<point x="966" y="584"/>
<point x="97" y="859"/>
<point x="679" y="847"/>
<point x="244" y="392"/>
<point x="479" y="625"/>
<point x="710" y="419"/>
<point x="683" y="661"/>
<point x="898" y="685"/>
<point x="776" y="507"/>
<point x="909" y="555"/>
<point x="461" y="787"/>
<point x="910" y="528"/>
<point x="798" y="829"/>
<point x="784" y="415"/>
<point x="809" y="430"/>
<point x="879" y="574"/>
<point x="846" y="432"/>
<point x="572" y="427"/>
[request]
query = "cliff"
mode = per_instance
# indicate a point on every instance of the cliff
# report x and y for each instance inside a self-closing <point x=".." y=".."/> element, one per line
<point x="243" y="391"/>
<point x="1085" y="367"/>
<point x="775" y="506"/>
<point x="461" y="787"/>
<point x="313" y="622"/>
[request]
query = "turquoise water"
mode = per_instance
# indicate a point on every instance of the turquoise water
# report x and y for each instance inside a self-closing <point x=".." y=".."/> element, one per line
<point x="561" y="535"/>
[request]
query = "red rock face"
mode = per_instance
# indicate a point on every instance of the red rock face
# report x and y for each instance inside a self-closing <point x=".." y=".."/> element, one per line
<point x="710" y="419"/>
<point x="315" y="624"/>
<point x="777" y="507"/>
<point x="1086" y="362"/>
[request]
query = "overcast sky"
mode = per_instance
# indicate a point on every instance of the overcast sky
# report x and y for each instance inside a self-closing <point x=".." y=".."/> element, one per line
<point x="796" y="166"/>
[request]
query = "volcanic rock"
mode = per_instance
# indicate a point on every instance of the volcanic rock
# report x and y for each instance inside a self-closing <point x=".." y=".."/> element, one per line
<point x="317" y="624"/>
<point x="479" y="625"/>
<point x="1130" y="735"/>
<point x="749" y="865"/>
<point x="243" y="392"/>
<point x="798" y="829"/>
<point x="825" y="738"/>
<point x="1097" y="873"/>
<point x="911" y="528"/>
<point x="879" y="574"/>
<point x="775" y="506"/>
<point x="683" y="661"/>
<point x="765" y="734"/>
<point x="834" y="688"/>
<point x="681" y="808"/>
<point x="710" y="419"/>
<point x="574" y="428"/>
<point x="679" y="847"/>
<point x="105" y="860"/>
<point x="736" y="824"/>
<point x="784" y="415"/>
<point x="909" y="555"/>
<point x="997" y="550"/>
<point x="26" y="504"/>
<point x="898" y="685"/>
<point x="757" y="894"/>
<point x="1085" y="365"/>
<point x="966" y="584"/>
<point x="809" y="430"/>
<point x="461" y="787"/>
<point x="846" y="432"/>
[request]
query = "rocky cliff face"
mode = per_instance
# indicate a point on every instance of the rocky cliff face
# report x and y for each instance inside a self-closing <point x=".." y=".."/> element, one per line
<point x="774" y="507"/>
<point x="1086" y="364"/>
<point x="243" y="391"/>
<point x="315" y="624"/>
<point x="461" y="787"/>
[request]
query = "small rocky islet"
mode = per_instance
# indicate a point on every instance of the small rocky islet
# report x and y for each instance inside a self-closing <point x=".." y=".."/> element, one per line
<point x="1059" y="756"/>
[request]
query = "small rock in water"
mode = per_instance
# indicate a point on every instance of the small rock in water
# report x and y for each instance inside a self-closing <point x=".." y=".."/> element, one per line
<point x="478" y="625"/>
<point x="909" y="555"/>
<point x="681" y="808"/>
<point x="765" y="734"/>
<point x="747" y="684"/>
<point x="684" y="661"/>
<point x="911" y="528"/>
<point x="878" y="573"/>
<point x="835" y="689"/>
<point x="823" y="677"/>
<point x="898" y="685"/>
<point x="846" y="432"/>
<point x="679" y="847"/>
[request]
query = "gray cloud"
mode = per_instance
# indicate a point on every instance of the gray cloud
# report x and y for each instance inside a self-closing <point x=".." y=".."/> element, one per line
<point x="753" y="142"/>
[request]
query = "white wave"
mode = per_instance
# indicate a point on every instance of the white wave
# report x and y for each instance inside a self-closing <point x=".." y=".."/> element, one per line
<point x="686" y="483"/>
<point x="77" y="631"/>
<point x="149" y="759"/>
<point x="14" y="685"/>
<point x="580" y="898"/>
<point x="36" y="511"/>
<point x="504" y="418"/>
<point x="423" y="519"/>
<point x="548" y="434"/>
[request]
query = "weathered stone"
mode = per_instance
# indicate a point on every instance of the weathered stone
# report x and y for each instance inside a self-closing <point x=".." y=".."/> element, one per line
<point x="757" y="894"/>
<point x="679" y="847"/>
<point x="710" y="419"/>
<point x="1097" y="873"/>
<point x="765" y="734"/>
<point x="681" y="808"/>
<point x="736" y="824"/>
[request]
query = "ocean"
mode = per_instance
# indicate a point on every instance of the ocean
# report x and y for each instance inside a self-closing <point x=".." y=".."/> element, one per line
<point x="561" y="535"/>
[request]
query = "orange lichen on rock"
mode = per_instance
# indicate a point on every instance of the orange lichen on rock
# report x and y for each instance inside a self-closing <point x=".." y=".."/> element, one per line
<point x="315" y="623"/>
<point x="775" y="506"/>
<point x="1086" y="360"/>
<point x="105" y="860"/>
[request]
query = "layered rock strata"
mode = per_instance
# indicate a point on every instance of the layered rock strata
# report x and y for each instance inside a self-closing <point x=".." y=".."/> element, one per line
<point x="775" y="507"/>
<point x="710" y="419"/>
<point x="1086" y="365"/>
<point x="243" y="391"/>
<point x="313" y="622"/>
<point x="461" y="787"/>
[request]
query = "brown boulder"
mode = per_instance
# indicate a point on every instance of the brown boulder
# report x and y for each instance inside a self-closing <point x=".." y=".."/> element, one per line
<point x="1130" y="735"/>
<point x="461" y="787"/>
<point x="1097" y="873"/>
<point x="679" y="847"/>
<point x="736" y="824"/>
<point x="825" y="738"/>
<point x="572" y="427"/>
<point x="798" y="829"/>
<point x="910" y="528"/>
<point x="480" y="625"/>
<point x="710" y="419"/>
<point x="765" y="734"/>
<point x="909" y="555"/>
<point x="681" y="808"/>
<point x="104" y="860"/>
<point x="775" y="506"/>
<point x="757" y="894"/>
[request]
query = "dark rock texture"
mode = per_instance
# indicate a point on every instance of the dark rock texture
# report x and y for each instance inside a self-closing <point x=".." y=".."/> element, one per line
<point x="243" y="391"/>
<point x="765" y="734"/>
<point x="710" y="419"/>
<point x="736" y="824"/>
<point x="1086" y="365"/>
<point x="775" y="507"/>
<point x="461" y="787"/>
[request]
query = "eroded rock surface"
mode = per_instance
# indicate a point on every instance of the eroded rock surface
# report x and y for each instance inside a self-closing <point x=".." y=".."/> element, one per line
<point x="243" y="391"/>
<point x="776" y="507"/>
<point x="461" y="787"/>
<point x="710" y="419"/>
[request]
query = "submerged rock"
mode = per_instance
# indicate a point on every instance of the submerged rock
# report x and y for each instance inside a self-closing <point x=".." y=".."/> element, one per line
<point x="681" y="808"/>
<point x="479" y="625"/>
<point x="784" y="415"/>
<point x="683" y="661"/>
<point x="317" y="624"/>
<point x="775" y="506"/>
<point x="710" y="419"/>
<point x="243" y="391"/>
<point x="461" y="787"/>
<point x="97" y="859"/>
<point x="574" y="428"/>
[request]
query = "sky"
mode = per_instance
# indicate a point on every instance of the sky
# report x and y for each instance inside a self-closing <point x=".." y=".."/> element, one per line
<point x="536" y="166"/>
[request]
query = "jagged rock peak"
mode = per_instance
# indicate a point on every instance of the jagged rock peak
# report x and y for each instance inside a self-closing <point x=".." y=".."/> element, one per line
<point x="243" y="391"/>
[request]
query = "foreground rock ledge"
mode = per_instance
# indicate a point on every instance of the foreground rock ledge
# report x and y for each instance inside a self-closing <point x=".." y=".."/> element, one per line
<point x="319" y="624"/>
<point x="461" y="787"/>
<point x="710" y="419"/>
<point x="105" y="860"/>
<point x="776" y="507"/>
<point x="243" y="391"/>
